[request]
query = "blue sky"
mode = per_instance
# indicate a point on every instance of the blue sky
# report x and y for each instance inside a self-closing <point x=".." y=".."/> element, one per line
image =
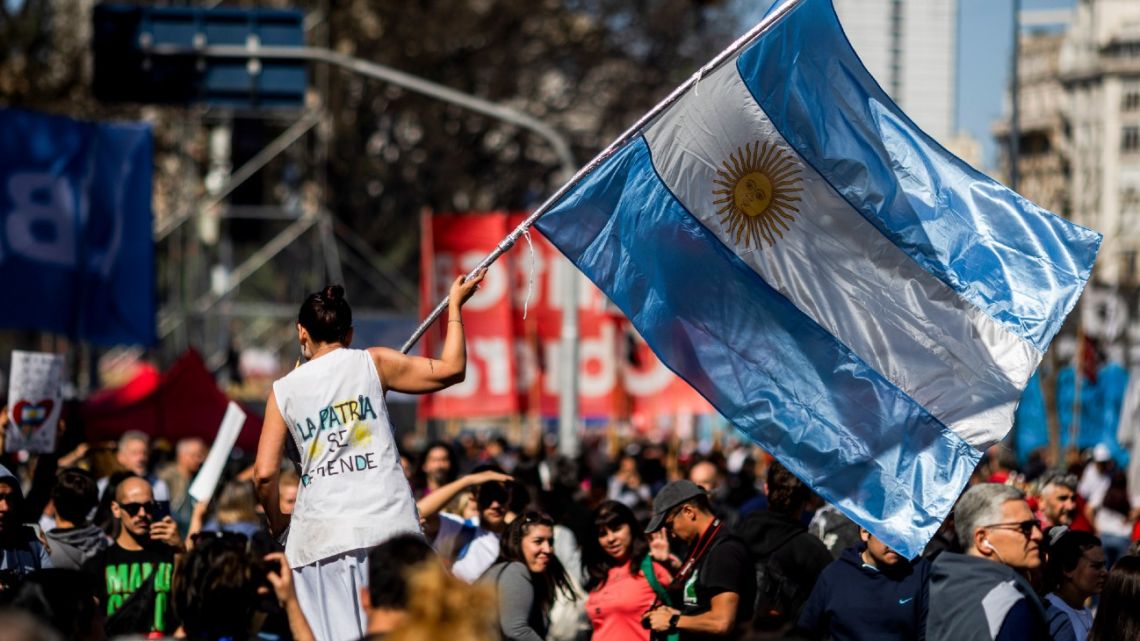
<point x="984" y="38"/>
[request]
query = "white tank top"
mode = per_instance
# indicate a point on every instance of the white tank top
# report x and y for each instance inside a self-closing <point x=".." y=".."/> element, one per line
<point x="353" y="493"/>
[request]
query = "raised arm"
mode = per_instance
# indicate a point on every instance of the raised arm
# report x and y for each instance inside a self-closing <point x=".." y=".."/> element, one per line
<point x="434" y="502"/>
<point x="267" y="466"/>
<point x="419" y="375"/>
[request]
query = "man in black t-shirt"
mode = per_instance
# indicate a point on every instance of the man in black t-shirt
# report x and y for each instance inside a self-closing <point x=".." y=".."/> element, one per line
<point x="714" y="589"/>
<point x="134" y="574"/>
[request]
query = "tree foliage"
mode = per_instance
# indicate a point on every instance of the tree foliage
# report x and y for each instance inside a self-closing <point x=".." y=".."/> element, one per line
<point x="588" y="68"/>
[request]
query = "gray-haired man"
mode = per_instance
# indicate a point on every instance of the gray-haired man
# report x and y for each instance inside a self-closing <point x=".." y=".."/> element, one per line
<point x="1057" y="499"/>
<point x="982" y="594"/>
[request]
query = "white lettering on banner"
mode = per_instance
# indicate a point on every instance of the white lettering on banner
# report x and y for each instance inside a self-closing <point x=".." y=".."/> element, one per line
<point x="596" y="367"/>
<point x="37" y="230"/>
<point x="527" y="363"/>
<point x="471" y="381"/>
<point x="493" y="287"/>
<point x="491" y="290"/>
<point x="493" y="354"/>
<point x="597" y="371"/>
<point x="45" y="221"/>
<point x="487" y="361"/>
<point x="589" y="297"/>
<point x="444" y="266"/>
<point x="650" y="382"/>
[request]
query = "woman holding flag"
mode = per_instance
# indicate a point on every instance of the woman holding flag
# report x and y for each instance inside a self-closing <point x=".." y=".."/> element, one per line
<point x="353" y="493"/>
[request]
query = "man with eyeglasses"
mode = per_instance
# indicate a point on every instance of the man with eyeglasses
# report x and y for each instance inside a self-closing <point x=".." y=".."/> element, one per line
<point x="134" y="574"/>
<point x="983" y="594"/>
<point x="714" y="589"/>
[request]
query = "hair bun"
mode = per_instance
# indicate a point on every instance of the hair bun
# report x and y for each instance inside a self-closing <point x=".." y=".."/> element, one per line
<point x="333" y="292"/>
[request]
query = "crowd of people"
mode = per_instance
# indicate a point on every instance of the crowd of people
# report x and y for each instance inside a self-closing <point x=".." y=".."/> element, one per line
<point x="646" y="540"/>
<point x="334" y="532"/>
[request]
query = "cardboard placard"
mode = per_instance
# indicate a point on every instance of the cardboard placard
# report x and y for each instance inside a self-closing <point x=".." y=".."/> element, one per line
<point x="35" y="402"/>
<point x="202" y="489"/>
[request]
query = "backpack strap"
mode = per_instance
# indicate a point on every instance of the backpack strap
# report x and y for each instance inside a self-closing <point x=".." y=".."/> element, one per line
<point x="659" y="590"/>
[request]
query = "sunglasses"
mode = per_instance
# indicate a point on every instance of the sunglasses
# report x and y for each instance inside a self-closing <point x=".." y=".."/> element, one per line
<point x="537" y="518"/>
<point x="229" y="539"/>
<point x="672" y="516"/>
<point x="492" y="492"/>
<point x="1025" y="527"/>
<point x="132" y="509"/>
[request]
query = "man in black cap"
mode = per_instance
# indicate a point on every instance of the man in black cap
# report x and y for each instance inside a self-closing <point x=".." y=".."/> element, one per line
<point x="713" y="592"/>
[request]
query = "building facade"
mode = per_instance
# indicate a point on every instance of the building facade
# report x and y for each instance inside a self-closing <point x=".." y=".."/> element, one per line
<point x="910" y="47"/>
<point x="1100" y="71"/>
<point x="1043" y="166"/>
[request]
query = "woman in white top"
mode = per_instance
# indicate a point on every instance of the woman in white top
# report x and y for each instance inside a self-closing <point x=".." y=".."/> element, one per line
<point x="353" y="494"/>
<point x="1075" y="571"/>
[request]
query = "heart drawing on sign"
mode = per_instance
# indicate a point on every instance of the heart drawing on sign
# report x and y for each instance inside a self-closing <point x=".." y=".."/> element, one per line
<point x="28" y="417"/>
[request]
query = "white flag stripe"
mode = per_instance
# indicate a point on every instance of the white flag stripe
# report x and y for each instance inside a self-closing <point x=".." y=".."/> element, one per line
<point x="836" y="267"/>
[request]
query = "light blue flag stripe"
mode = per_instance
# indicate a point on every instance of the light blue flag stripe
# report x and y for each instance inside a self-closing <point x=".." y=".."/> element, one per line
<point x="767" y="367"/>
<point x="1020" y="264"/>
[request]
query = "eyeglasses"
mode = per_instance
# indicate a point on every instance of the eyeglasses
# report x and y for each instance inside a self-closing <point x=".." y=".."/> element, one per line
<point x="1025" y="527"/>
<point x="669" y="518"/>
<point x="132" y="509"/>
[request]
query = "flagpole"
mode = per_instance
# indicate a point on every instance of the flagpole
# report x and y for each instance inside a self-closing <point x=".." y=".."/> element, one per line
<point x="1078" y="367"/>
<point x="589" y="167"/>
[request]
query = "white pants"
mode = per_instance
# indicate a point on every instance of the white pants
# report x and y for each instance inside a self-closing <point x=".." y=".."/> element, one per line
<point x="329" y="594"/>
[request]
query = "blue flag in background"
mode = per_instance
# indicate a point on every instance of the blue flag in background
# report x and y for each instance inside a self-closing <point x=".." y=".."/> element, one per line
<point x="76" y="244"/>
<point x="858" y="301"/>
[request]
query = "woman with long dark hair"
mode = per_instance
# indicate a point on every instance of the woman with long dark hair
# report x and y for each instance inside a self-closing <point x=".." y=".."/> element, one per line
<point x="1117" y="616"/>
<point x="437" y="467"/>
<point x="1075" y="572"/>
<point x="624" y="580"/>
<point x="353" y="493"/>
<point x="527" y="577"/>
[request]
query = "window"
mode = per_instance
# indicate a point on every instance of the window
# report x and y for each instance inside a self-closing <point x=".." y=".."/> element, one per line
<point x="1128" y="266"/>
<point x="1131" y="100"/>
<point x="1130" y="140"/>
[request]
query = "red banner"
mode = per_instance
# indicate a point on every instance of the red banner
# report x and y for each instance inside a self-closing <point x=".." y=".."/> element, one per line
<point x="512" y="360"/>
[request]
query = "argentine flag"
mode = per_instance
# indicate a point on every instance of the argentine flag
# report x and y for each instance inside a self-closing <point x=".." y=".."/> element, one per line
<point x="858" y="301"/>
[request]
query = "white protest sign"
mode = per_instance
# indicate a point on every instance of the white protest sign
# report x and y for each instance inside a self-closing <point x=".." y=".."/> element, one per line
<point x="34" y="401"/>
<point x="202" y="489"/>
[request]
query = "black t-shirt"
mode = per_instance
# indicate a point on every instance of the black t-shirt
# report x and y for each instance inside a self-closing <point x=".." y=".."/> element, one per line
<point x="120" y="573"/>
<point x="726" y="567"/>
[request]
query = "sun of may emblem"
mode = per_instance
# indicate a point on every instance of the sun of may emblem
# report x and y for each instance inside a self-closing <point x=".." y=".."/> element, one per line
<point x="757" y="191"/>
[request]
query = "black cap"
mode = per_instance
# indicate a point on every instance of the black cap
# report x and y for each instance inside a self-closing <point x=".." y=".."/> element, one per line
<point x="669" y="497"/>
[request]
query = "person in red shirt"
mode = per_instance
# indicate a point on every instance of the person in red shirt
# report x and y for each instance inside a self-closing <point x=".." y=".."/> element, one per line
<point x="624" y="577"/>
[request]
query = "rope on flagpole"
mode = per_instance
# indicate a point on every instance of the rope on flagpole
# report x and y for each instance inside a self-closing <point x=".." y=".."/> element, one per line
<point x="530" y="276"/>
<point x="634" y="130"/>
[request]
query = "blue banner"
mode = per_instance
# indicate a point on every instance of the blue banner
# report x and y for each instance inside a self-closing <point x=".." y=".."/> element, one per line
<point x="1030" y="426"/>
<point x="76" y="248"/>
<point x="1100" y="406"/>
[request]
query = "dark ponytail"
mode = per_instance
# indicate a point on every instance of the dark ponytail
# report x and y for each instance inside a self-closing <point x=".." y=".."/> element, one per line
<point x="326" y="315"/>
